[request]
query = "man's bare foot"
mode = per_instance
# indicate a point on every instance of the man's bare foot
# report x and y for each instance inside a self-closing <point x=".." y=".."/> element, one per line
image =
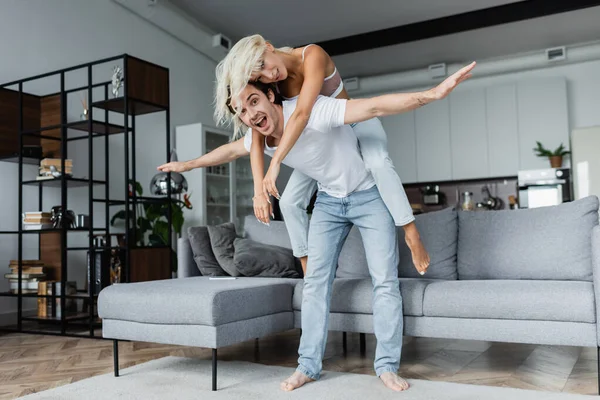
<point x="295" y="381"/>
<point x="420" y="256"/>
<point x="394" y="382"/>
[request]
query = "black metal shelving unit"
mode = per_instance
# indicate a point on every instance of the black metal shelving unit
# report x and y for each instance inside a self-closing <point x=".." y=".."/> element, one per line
<point x="145" y="90"/>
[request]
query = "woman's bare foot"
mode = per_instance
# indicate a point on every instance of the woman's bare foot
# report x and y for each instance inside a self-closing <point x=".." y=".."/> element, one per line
<point x="295" y="381"/>
<point x="394" y="382"/>
<point x="419" y="254"/>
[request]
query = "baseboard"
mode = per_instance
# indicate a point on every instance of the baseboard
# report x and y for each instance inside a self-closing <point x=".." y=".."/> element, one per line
<point x="10" y="317"/>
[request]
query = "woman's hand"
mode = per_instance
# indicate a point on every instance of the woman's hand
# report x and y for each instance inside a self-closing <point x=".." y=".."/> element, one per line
<point x="174" y="166"/>
<point x="262" y="208"/>
<point x="270" y="179"/>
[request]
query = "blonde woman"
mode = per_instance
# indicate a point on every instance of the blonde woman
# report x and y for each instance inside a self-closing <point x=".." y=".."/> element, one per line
<point x="305" y="73"/>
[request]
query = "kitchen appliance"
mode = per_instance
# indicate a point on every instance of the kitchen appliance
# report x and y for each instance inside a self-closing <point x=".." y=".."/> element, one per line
<point x="585" y="161"/>
<point x="432" y="195"/>
<point x="544" y="187"/>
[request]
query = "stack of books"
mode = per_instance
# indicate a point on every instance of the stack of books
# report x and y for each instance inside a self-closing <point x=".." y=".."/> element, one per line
<point x="37" y="220"/>
<point x="50" y="305"/>
<point x="32" y="273"/>
<point x="47" y="163"/>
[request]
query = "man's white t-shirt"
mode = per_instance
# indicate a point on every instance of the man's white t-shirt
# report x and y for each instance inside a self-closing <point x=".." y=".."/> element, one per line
<point x="327" y="150"/>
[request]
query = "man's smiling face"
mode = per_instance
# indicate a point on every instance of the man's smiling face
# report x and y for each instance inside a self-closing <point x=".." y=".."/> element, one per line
<point x="258" y="111"/>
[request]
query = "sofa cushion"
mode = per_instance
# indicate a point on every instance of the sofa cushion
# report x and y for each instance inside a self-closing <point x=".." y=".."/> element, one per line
<point x="439" y="234"/>
<point x="552" y="243"/>
<point x="259" y="259"/>
<point x="565" y="301"/>
<point x="196" y="301"/>
<point x="202" y="252"/>
<point x="221" y="241"/>
<point x="275" y="234"/>
<point x="355" y="296"/>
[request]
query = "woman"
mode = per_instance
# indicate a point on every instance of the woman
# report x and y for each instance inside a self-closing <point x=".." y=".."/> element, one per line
<point x="303" y="74"/>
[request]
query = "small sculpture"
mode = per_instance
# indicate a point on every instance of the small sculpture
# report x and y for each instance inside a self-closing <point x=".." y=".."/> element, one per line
<point x="59" y="219"/>
<point x="117" y="80"/>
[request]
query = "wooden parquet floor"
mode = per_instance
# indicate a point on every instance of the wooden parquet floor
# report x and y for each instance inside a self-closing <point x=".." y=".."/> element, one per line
<point x="33" y="363"/>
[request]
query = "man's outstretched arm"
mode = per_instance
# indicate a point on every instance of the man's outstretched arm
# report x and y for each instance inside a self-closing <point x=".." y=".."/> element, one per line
<point x="221" y="155"/>
<point x="358" y="110"/>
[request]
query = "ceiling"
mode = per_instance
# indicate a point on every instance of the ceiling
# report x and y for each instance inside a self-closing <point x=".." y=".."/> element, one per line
<point x="293" y="23"/>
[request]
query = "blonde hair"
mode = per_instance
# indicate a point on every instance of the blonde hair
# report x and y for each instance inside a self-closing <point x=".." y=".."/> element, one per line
<point x="233" y="74"/>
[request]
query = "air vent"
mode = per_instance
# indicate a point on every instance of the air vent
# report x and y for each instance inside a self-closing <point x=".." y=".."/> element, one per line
<point x="351" y="84"/>
<point x="556" y="54"/>
<point x="437" y="71"/>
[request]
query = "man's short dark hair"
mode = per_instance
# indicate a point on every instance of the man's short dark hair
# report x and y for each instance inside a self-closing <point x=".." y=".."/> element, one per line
<point x="263" y="87"/>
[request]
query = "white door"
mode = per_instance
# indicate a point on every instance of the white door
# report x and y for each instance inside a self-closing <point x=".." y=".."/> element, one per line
<point x="434" y="162"/>
<point x="503" y="130"/>
<point x="468" y="132"/>
<point x="402" y="145"/>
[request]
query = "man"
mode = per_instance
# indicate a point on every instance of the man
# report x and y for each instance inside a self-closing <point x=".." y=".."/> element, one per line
<point x="327" y="151"/>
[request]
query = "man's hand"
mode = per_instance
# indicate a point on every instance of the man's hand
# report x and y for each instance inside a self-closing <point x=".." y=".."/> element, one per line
<point x="443" y="89"/>
<point x="262" y="208"/>
<point x="269" y="186"/>
<point x="175" y="166"/>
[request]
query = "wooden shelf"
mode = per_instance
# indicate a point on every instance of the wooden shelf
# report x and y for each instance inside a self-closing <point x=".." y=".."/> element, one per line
<point x="135" y="107"/>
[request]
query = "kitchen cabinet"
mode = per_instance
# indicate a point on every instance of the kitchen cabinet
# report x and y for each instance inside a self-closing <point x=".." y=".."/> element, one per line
<point x="502" y="130"/>
<point x="432" y="126"/>
<point x="543" y="116"/>
<point x="468" y="135"/>
<point x="402" y="146"/>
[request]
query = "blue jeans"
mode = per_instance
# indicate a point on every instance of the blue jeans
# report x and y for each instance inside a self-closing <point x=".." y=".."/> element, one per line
<point x="332" y="219"/>
<point x="372" y="140"/>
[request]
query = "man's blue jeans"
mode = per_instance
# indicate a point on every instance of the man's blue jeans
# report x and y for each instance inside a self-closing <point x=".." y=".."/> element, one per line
<point x="329" y="226"/>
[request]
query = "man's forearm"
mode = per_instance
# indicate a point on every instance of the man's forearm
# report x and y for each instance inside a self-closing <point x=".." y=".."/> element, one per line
<point x="221" y="155"/>
<point x="397" y="103"/>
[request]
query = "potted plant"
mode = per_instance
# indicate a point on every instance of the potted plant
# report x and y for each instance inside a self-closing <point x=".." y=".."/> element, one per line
<point x="151" y="225"/>
<point x="555" y="157"/>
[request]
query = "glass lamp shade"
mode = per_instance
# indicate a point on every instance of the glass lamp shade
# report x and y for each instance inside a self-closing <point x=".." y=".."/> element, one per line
<point x="159" y="182"/>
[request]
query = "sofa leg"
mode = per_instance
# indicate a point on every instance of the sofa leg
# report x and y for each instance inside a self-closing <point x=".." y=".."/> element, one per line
<point x="256" y="350"/>
<point x="345" y="342"/>
<point x="116" y="356"/>
<point x="598" y="370"/>
<point x="214" y="370"/>
<point x="363" y="344"/>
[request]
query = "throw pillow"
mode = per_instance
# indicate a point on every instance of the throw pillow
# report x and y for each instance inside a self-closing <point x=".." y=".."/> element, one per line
<point x="439" y="234"/>
<point x="221" y="241"/>
<point x="259" y="259"/>
<point x="203" y="253"/>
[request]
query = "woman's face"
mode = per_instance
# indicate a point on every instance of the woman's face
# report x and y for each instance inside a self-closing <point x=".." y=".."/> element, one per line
<point x="271" y="68"/>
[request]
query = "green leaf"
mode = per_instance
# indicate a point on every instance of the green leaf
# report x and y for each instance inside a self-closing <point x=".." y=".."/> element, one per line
<point x="118" y="215"/>
<point x="161" y="228"/>
<point x="153" y="212"/>
<point x="177" y="219"/>
<point x="155" y="240"/>
<point x="143" y="224"/>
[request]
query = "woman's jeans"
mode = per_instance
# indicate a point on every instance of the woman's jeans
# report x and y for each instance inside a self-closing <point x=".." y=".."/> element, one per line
<point x="331" y="221"/>
<point x="373" y="147"/>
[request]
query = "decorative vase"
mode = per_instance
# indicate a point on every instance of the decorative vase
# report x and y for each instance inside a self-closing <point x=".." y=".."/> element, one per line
<point x="556" y="161"/>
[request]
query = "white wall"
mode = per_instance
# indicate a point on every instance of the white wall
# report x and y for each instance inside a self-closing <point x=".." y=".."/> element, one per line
<point x="43" y="36"/>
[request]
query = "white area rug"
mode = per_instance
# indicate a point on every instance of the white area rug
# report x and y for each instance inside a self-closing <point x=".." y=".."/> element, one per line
<point x="188" y="378"/>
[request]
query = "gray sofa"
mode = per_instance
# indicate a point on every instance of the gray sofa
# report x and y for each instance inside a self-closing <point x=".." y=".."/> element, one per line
<point x="524" y="276"/>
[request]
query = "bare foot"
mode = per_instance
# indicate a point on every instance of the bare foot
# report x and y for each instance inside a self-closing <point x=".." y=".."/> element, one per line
<point x="295" y="381"/>
<point x="419" y="254"/>
<point x="394" y="382"/>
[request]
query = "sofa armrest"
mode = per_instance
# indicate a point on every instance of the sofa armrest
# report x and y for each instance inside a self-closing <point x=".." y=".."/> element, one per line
<point x="186" y="266"/>
<point x="596" y="274"/>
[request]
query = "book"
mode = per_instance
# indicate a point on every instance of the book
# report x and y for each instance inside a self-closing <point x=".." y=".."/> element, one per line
<point x="24" y="276"/>
<point x="27" y="270"/>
